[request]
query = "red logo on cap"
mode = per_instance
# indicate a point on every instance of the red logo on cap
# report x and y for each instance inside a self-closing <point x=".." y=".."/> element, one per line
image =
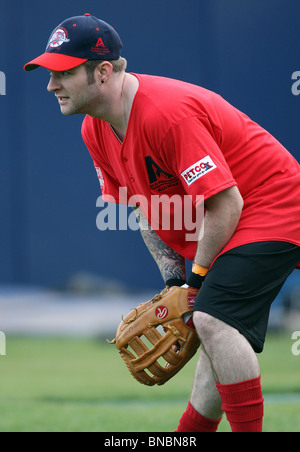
<point x="100" y="47"/>
<point x="161" y="312"/>
<point x="100" y="43"/>
<point x="58" y="38"/>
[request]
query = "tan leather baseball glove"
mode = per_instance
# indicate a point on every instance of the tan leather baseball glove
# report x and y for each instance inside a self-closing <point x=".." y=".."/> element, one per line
<point x="155" y="339"/>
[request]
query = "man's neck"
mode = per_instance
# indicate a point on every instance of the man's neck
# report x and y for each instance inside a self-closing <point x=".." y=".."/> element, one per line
<point x="129" y="89"/>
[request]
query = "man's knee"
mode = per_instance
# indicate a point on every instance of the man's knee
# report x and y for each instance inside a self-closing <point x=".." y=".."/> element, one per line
<point x="205" y="325"/>
<point x="209" y="327"/>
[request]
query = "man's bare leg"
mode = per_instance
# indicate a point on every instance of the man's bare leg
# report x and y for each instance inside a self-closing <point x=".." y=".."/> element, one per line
<point x="236" y="369"/>
<point x="232" y="357"/>
<point x="205" y="397"/>
<point x="203" y="413"/>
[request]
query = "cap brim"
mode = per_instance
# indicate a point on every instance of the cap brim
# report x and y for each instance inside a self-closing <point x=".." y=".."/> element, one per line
<point x="54" y="62"/>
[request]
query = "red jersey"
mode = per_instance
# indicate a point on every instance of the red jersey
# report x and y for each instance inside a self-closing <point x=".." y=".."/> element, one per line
<point x="183" y="140"/>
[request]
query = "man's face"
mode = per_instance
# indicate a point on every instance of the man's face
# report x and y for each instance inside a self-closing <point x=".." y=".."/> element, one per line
<point x="73" y="92"/>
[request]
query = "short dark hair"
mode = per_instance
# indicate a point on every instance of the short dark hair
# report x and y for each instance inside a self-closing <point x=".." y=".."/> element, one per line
<point x="90" y="66"/>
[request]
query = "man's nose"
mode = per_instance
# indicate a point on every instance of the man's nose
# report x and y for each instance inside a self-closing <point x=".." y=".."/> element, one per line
<point x="54" y="84"/>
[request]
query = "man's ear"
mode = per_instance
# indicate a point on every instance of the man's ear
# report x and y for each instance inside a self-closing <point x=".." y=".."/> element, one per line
<point x="103" y="72"/>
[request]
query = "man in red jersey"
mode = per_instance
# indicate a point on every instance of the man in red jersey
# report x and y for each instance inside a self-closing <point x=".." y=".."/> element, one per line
<point x="154" y="136"/>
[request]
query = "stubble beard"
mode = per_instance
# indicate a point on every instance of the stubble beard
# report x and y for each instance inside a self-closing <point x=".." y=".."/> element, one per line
<point x="85" y="103"/>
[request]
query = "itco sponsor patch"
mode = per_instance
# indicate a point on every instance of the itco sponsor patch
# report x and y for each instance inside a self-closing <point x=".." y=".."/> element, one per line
<point x="198" y="170"/>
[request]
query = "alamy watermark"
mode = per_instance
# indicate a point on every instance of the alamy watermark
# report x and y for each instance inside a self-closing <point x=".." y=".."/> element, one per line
<point x="296" y="84"/>
<point x="296" y="344"/>
<point x="2" y="84"/>
<point x="2" y="344"/>
<point x="163" y="212"/>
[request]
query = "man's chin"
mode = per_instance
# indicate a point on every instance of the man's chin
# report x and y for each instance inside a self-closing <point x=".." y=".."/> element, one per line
<point x="67" y="111"/>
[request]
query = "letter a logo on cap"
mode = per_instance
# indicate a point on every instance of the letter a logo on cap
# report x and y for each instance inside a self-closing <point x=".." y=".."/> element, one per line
<point x="100" y="43"/>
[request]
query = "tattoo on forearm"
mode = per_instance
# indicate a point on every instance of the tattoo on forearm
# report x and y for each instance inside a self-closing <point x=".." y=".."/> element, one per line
<point x="170" y="263"/>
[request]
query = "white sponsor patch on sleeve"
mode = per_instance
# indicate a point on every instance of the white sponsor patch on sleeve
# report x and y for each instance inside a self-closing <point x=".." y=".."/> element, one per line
<point x="100" y="177"/>
<point x="198" y="170"/>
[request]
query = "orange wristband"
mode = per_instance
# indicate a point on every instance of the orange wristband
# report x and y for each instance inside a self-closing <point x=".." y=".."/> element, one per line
<point x="199" y="270"/>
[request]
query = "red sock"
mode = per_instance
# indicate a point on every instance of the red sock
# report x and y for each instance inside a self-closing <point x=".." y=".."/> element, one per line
<point x="243" y="405"/>
<point x="192" y="421"/>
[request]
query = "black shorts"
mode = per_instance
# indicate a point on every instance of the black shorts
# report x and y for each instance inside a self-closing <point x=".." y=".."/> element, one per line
<point x="242" y="284"/>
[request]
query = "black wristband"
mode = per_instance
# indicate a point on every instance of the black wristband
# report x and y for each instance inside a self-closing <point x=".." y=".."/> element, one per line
<point x="175" y="282"/>
<point x="195" y="280"/>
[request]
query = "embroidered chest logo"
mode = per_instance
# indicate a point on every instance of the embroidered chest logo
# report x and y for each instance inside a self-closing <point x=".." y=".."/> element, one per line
<point x="159" y="179"/>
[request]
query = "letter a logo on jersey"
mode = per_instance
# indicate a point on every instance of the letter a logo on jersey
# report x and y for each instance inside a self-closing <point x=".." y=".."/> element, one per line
<point x="159" y="179"/>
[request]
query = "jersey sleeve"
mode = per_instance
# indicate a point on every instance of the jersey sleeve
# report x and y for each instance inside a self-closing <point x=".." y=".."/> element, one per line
<point x="110" y="187"/>
<point x="191" y="149"/>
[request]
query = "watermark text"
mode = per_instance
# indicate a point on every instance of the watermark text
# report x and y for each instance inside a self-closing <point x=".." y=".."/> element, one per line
<point x="162" y="212"/>
<point x="2" y="84"/>
<point x="296" y="84"/>
<point x="296" y="344"/>
<point x="2" y="344"/>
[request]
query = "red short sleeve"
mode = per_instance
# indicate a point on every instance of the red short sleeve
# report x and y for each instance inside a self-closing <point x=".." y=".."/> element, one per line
<point x="191" y="148"/>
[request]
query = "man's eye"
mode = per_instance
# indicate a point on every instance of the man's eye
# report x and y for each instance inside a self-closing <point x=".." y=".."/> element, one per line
<point x="65" y="73"/>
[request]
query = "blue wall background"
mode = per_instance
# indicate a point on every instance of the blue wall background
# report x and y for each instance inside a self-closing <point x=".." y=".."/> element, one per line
<point x="246" y="51"/>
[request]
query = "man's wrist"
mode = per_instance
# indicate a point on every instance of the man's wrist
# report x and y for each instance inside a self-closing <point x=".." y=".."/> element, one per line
<point x="175" y="282"/>
<point x="195" y="280"/>
<point x="199" y="269"/>
<point x="197" y="276"/>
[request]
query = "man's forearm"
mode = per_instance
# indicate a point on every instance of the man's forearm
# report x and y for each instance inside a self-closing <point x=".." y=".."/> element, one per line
<point x="220" y="222"/>
<point x="169" y="262"/>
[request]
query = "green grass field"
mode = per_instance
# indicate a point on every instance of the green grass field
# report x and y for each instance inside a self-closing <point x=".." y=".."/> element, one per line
<point x="79" y="385"/>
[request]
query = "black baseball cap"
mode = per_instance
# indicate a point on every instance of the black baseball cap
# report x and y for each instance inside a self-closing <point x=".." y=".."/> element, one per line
<point x="77" y="40"/>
